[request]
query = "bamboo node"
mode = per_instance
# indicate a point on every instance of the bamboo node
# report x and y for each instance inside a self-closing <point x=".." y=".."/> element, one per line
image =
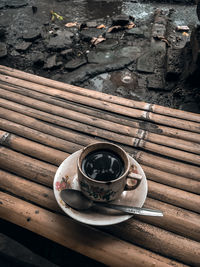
<point x="141" y="133"/>
<point x="4" y="138"/>
<point x="145" y="115"/>
<point x="136" y="142"/>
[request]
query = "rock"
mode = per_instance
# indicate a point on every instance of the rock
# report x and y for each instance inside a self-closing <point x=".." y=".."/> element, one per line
<point x="129" y="53"/>
<point x="31" y="34"/>
<point x="121" y="20"/>
<point x="75" y="63"/>
<point x="63" y="40"/>
<point x="105" y="61"/>
<point x="51" y="62"/>
<point x="91" y="24"/>
<point x="146" y="63"/>
<point x="159" y="30"/>
<point x="108" y="44"/>
<point x="156" y="81"/>
<point x="88" y="34"/>
<point x="14" y="53"/>
<point x="101" y="57"/>
<point x="67" y="52"/>
<point x="2" y="31"/>
<point x="23" y="46"/>
<point x="136" y="32"/>
<point x="16" y="3"/>
<point x="175" y="64"/>
<point x="38" y="59"/>
<point x="3" y="50"/>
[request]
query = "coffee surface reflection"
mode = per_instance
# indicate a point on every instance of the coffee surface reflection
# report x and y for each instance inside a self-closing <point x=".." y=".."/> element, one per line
<point x="103" y="165"/>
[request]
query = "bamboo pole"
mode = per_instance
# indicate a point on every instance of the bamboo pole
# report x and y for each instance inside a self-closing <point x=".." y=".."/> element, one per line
<point x="39" y="137"/>
<point x="188" y="157"/>
<point x="148" y="126"/>
<point x="46" y="128"/>
<point x="59" y="144"/>
<point x="86" y="240"/>
<point x="100" y="123"/>
<point x="101" y="96"/>
<point x="170" y="152"/>
<point x="43" y="173"/>
<point x="174" y="196"/>
<point x="158" y="240"/>
<point x="168" y="165"/>
<point x="28" y="167"/>
<point x="172" y="180"/>
<point x="28" y="190"/>
<point x="175" y="113"/>
<point x="72" y="125"/>
<point x="32" y="149"/>
<point x="176" y="220"/>
<point x="134" y="113"/>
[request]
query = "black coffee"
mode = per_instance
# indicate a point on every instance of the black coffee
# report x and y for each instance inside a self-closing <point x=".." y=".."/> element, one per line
<point x="103" y="165"/>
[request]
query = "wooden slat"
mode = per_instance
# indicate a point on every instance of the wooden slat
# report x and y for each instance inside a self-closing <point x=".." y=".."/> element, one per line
<point x="159" y="240"/>
<point x="39" y="137"/>
<point x="79" y="119"/>
<point x="134" y="113"/>
<point x="172" y="180"/>
<point x="108" y="116"/>
<point x="174" y="196"/>
<point x="43" y="173"/>
<point x="112" y="136"/>
<point x="29" y="190"/>
<point x="31" y="148"/>
<point x="28" y="167"/>
<point x="176" y="220"/>
<point x="45" y="153"/>
<point x="42" y="122"/>
<point x="62" y="133"/>
<point x="163" y="164"/>
<point x="101" y="96"/>
<point x="88" y="241"/>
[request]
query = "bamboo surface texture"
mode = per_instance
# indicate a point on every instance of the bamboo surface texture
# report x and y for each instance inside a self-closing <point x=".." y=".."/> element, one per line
<point x="42" y="122"/>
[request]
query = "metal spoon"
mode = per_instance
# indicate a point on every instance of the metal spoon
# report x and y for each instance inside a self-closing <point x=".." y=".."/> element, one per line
<point x="75" y="199"/>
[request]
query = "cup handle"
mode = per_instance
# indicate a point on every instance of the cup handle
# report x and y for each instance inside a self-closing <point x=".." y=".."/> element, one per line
<point x="133" y="176"/>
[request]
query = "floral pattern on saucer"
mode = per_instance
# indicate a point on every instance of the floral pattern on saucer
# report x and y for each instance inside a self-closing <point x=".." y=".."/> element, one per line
<point x="63" y="184"/>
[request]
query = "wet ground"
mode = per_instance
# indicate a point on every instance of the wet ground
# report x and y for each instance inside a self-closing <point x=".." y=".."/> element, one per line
<point x="38" y="41"/>
<point x="144" y="58"/>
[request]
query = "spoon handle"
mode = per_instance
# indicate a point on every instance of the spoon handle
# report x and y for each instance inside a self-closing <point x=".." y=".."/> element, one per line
<point x="133" y="210"/>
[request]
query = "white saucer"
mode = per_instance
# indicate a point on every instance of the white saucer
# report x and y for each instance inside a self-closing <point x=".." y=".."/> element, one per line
<point x="66" y="177"/>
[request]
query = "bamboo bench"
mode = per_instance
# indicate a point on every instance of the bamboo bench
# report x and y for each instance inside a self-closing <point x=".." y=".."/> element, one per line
<point x="43" y="121"/>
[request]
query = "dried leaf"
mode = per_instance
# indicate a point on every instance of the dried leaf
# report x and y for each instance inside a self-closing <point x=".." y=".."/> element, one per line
<point x="130" y="25"/>
<point x="117" y="27"/>
<point x="71" y="24"/>
<point x="96" y="41"/>
<point x="102" y="26"/>
<point x="185" y="34"/>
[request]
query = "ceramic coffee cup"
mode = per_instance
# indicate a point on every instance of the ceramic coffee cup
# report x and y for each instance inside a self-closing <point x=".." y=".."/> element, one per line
<point x="104" y="170"/>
